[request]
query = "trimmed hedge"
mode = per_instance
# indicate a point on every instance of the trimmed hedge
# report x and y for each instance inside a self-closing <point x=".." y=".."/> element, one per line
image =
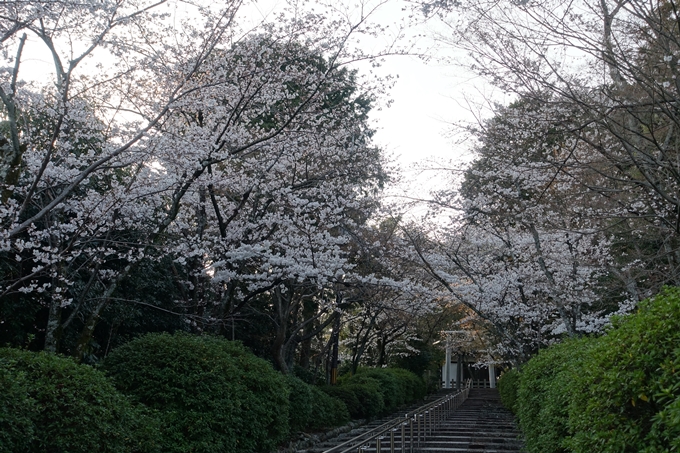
<point x="213" y="395"/>
<point x="384" y="383"/>
<point x="375" y="391"/>
<point x="508" y="386"/>
<point x="411" y="386"/>
<point x="546" y="387"/>
<point x="51" y="403"/>
<point x="362" y="400"/>
<point x="629" y="396"/>
<point x="301" y="402"/>
<point x="616" y="393"/>
<point x="326" y="410"/>
<point x="311" y="408"/>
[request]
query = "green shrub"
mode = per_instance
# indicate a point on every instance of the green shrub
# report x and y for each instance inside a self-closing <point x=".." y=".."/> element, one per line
<point x="629" y="396"/>
<point x="213" y="394"/>
<point x="545" y="389"/>
<point x="345" y="394"/>
<point x="326" y="410"/>
<point x="301" y="402"/>
<point x="616" y="393"/>
<point x="412" y="387"/>
<point x="387" y="384"/>
<point x="508" y="385"/>
<point x="369" y="396"/>
<point x="17" y="408"/>
<point x="51" y="403"/>
<point x="375" y="391"/>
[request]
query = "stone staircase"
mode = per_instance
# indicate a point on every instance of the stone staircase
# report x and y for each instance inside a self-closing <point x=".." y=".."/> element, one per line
<point x="329" y="443"/>
<point x="481" y="424"/>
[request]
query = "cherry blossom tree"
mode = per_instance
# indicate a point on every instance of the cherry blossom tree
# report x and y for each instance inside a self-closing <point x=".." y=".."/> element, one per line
<point x="165" y="130"/>
<point x="518" y="248"/>
<point x="568" y="213"/>
<point x="611" y="65"/>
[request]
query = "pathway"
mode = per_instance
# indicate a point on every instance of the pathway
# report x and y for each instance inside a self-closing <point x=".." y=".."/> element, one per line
<point x="481" y="424"/>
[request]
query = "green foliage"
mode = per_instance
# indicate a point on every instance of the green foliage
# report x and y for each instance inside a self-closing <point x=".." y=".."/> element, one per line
<point x="349" y="396"/>
<point x="629" y="398"/>
<point x="386" y="384"/>
<point x="375" y="391"/>
<point x="508" y="385"/>
<point x="17" y="408"/>
<point x="213" y="394"/>
<point x="50" y="403"/>
<point x="371" y="400"/>
<point x="326" y="410"/>
<point x="616" y="393"/>
<point x="411" y="386"/>
<point x="301" y="404"/>
<point x="546" y="386"/>
<point x="312" y="408"/>
<point x="309" y="376"/>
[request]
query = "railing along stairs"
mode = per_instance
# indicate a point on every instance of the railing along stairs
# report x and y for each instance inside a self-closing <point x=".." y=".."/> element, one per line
<point x="405" y="434"/>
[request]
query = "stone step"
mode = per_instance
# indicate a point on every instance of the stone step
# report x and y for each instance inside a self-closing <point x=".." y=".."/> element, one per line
<point x="320" y="447"/>
<point x="481" y="424"/>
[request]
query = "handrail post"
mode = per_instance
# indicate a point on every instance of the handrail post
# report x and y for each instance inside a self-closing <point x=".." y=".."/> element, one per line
<point x="392" y="440"/>
<point x="403" y="437"/>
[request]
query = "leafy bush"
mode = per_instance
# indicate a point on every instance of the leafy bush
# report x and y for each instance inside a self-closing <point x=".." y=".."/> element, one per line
<point x="213" y="394"/>
<point x="374" y="391"/>
<point x="629" y="396"/>
<point x="346" y="394"/>
<point x="17" y="408"/>
<point x="508" y="385"/>
<point x="396" y="386"/>
<point x="387" y="385"/>
<point x="51" y="403"/>
<point x="301" y="402"/>
<point x="326" y="410"/>
<point x="616" y="393"/>
<point x="369" y="396"/>
<point x="546" y="386"/>
<point x="412" y="387"/>
<point x="362" y="400"/>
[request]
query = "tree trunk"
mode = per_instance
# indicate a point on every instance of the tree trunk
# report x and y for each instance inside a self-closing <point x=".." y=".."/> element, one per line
<point x="53" y="326"/>
<point x="278" y="349"/>
<point x="309" y="308"/>
<point x="92" y="320"/>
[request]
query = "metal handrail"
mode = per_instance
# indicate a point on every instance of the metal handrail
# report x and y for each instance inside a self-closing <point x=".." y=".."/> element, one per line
<point x="417" y="424"/>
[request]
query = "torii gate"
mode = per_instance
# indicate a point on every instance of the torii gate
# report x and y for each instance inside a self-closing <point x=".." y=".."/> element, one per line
<point x="446" y="371"/>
